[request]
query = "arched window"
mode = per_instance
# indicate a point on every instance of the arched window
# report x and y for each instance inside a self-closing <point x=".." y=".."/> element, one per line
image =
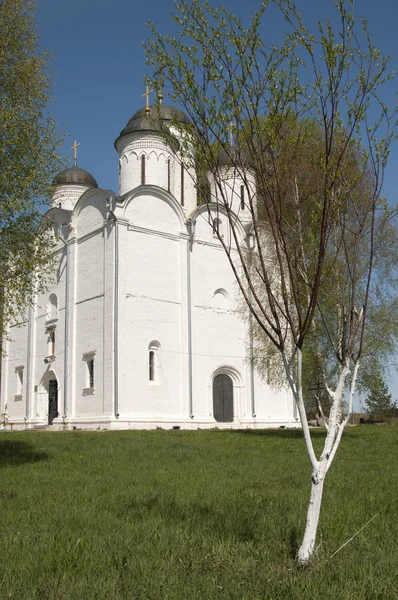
<point x="143" y="169"/>
<point x="216" y="227"/>
<point x="168" y="175"/>
<point x="52" y="308"/>
<point x="242" y="197"/>
<point x="153" y="361"/>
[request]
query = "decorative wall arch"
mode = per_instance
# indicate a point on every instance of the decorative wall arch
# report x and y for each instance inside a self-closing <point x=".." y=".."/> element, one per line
<point x="90" y="210"/>
<point x="201" y="216"/>
<point x="160" y="194"/>
<point x="231" y="372"/>
<point x="221" y="300"/>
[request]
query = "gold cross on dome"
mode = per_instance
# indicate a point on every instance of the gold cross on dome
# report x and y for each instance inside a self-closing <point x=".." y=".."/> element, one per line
<point x="148" y="91"/>
<point x="74" y="148"/>
<point x="230" y="131"/>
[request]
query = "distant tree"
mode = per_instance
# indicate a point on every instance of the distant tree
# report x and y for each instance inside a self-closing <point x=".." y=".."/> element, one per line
<point x="29" y="158"/>
<point x="379" y="402"/>
<point x="307" y="270"/>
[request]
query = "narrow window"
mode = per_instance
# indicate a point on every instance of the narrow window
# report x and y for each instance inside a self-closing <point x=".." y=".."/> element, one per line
<point x="90" y="368"/>
<point x="168" y="176"/>
<point x="151" y="365"/>
<point x="216" y="227"/>
<point x="89" y="358"/>
<point x="19" y="390"/>
<point x="242" y="197"/>
<point x="182" y="184"/>
<point x="143" y="169"/>
<point x="52" y="342"/>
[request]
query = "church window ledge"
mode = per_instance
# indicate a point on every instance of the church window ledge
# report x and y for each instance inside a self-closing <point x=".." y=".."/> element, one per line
<point x="88" y="391"/>
<point x="49" y="359"/>
<point x="51" y="323"/>
<point x="18" y="398"/>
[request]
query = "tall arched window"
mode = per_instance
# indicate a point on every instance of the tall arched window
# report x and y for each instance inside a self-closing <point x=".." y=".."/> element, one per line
<point x="143" y="169"/>
<point x="182" y="185"/>
<point x="52" y="308"/>
<point x="242" y="197"/>
<point x="216" y="227"/>
<point x="153" y="361"/>
<point x="168" y="175"/>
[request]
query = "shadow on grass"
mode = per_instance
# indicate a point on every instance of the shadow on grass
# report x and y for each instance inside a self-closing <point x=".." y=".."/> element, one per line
<point x="18" y="453"/>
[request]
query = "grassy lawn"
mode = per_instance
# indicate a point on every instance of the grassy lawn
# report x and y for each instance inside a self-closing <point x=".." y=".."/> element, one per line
<point x="193" y="515"/>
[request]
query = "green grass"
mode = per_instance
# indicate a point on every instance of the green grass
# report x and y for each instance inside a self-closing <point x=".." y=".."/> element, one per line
<point x="193" y="515"/>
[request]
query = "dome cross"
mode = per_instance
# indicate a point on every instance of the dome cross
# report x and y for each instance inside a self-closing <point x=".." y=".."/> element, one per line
<point x="231" y="133"/>
<point x="74" y="148"/>
<point x="148" y="91"/>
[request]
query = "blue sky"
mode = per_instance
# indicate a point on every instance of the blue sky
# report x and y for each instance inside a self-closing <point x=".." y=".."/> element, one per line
<point x="100" y="65"/>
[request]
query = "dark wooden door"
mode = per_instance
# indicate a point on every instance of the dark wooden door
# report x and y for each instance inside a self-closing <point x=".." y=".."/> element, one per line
<point x="52" y="400"/>
<point x="223" y="399"/>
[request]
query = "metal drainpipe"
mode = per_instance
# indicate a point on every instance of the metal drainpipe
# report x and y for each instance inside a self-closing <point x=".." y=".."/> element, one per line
<point x="191" y="226"/>
<point x="66" y="333"/>
<point x="115" y="313"/>
<point x="252" y="393"/>
<point x="252" y="366"/>
<point x="28" y="361"/>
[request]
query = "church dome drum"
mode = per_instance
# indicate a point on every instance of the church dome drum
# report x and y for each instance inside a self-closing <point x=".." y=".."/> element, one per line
<point x="149" y="150"/>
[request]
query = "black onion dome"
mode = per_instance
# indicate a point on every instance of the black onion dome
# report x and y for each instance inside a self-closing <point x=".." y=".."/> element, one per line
<point x="75" y="176"/>
<point x="154" y="120"/>
<point x="232" y="157"/>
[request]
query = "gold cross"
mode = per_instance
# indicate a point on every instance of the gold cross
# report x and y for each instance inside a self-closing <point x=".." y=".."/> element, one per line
<point x="74" y="148"/>
<point x="148" y="91"/>
<point x="231" y="135"/>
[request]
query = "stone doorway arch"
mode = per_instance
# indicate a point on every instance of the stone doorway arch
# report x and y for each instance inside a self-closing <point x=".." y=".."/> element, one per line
<point x="49" y="396"/>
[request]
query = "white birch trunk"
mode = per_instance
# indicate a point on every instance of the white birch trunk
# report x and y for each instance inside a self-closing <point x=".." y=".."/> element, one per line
<point x="320" y="467"/>
<point x="314" y="508"/>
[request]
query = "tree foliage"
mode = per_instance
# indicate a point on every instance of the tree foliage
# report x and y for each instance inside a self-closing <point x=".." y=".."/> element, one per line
<point x="379" y="402"/>
<point x="311" y="123"/>
<point x="28" y="157"/>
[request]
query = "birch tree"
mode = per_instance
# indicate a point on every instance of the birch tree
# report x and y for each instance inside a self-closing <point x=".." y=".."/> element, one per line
<point x="29" y="158"/>
<point x="309" y="227"/>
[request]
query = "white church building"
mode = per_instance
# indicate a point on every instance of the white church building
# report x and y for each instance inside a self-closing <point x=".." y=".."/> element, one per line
<point x="140" y="327"/>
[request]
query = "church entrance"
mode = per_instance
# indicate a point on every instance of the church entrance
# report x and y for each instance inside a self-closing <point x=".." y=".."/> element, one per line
<point x="52" y="400"/>
<point x="223" y="399"/>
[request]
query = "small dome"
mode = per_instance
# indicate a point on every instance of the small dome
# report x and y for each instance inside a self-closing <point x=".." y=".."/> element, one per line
<point x="232" y="156"/>
<point x="75" y="176"/>
<point x="153" y="121"/>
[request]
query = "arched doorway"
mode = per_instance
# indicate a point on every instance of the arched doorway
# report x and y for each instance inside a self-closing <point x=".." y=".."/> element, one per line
<point x="223" y="399"/>
<point x="47" y="397"/>
<point x="52" y="400"/>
